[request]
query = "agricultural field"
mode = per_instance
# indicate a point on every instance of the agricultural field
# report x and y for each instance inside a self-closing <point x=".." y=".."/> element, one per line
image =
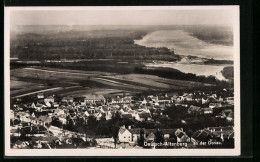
<point x="32" y="80"/>
<point x="107" y="92"/>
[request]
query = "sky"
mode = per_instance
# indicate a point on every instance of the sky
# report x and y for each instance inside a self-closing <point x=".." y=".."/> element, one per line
<point x="121" y="17"/>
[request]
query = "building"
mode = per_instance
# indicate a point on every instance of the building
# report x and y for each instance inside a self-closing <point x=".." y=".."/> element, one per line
<point x="67" y="99"/>
<point x="194" y="110"/>
<point x="49" y="99"/>
<point x="131" y="135"/>
<point x="93" y="99"/>
<point x="40" y="96"/>
<point x="207" y="110"/>
<point x="215" y="105"/>
<point x="143" y="116"/>
<point x="124" y="135"/>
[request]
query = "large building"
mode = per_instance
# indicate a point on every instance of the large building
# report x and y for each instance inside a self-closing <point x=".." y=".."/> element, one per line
<point x="91" y="99"/>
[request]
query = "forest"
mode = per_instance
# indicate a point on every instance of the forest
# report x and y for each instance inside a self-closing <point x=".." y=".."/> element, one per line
<point x="111" y="44"/>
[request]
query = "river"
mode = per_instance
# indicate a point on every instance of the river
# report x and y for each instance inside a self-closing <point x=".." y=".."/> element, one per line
<point x="205" y="70"/>
<point x="184" y="44"/>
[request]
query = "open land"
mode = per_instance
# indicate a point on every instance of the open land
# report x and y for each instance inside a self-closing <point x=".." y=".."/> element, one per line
<point x="84" y="82"/>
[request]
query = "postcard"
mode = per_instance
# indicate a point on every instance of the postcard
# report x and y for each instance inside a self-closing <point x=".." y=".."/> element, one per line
<point x="122" y="81"/>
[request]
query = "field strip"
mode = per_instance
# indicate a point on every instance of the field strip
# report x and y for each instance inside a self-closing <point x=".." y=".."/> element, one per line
<point x="136" y="83"/>
<point x="45" y="90"/>
<point x="61" y="72"/>
<point x="174" y="84"/>
<point x="70" y="70"/>
<point x="121" y="84"/>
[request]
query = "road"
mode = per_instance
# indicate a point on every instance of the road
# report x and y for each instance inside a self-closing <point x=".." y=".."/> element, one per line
<point x="35" y="92"/>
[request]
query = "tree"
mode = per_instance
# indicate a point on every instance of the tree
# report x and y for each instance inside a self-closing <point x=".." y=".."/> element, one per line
<point x="56" y="122"/>
<point x="116" y="117"/>
<point x="92" y="122"/>
<point x="159" y="136"/>
<point x="70" y="124"/>
<point x="115" y="131"/>
<point x="22" y="135"/>
<point x="190" y="133"/>
<point x="102" y="119"/>
<point x="141" y="138"/>
<point x="93" y="142"/>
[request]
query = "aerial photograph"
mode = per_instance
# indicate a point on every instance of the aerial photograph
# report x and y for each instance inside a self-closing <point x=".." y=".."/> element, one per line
<point x="121" y="79"/>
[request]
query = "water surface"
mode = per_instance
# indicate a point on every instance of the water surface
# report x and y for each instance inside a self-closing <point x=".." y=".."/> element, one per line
<point x="205" y="70"/>
<point x="184" y="44"/>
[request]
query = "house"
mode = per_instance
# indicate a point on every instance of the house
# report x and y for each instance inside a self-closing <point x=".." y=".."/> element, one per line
<point x="132" y="135"/>
<point x="127" y="115"/>
<point x="116" y="100"/>
<point x="220" y="99"/>
<point x="44" y="120"/>
<point x="55" y="104"/>
<point x="67" y="99"/>
<point x="23" y="116"/>
<point x="14" y="131"/>
<point x="229" y="100"/>
<point x="207" y="110"/>
<point x="34" y="120"/>
<point x="213" y="95"/>
<point x="108" y="115"/>
<point x="204" y="100"/>
<point x="143" y="116"/>
<point x="48" y="104"/>
<point x="86" y="114"/>
<point x="154" y="99"/>
<point x="204" y="135"/>
<point x="39" y="106"/>
<point x="92" y="99"/>
<point x="188" y="98"/>
<point x="182" y="136"/>
<point x="164" y="99"/>
<point x="98" y="115"/>
<point x="49" y="99"/>
<point x="79" y="99"/>
<point x="230" y="116"/>
<point x="124" y="135"/>
<point x="92" y="111"/>
<point x="104" y="109"/>
<point x="127" y="99"/>
<point x="167" y="133"/>
<point x="224" y="133"/>
<point x="21" y="145"/>
<point x="63" y="120"/>
<point x="226" y="112"/>
<point x="123" y="100"/>
<point x="122" y="111"/>
<point x="221" y="129"/>
<point x="215" y="105"/>
<point x="58" y="112"/>
<point x="40" y="96"/>
<point x="144" y="102"/>
<point x="25" y="124"/>
<point x="12" y="114"/>
<point x="33" y="105"/>
<point x="174" y="95"/>
<point x="179" y="99"/>
<point x="38" y="130"/>
<point x="151" y="137"/>
<point x="194" y="110"/>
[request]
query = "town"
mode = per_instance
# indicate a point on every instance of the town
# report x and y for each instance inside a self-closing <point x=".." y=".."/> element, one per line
<point x="198" y="119"/>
